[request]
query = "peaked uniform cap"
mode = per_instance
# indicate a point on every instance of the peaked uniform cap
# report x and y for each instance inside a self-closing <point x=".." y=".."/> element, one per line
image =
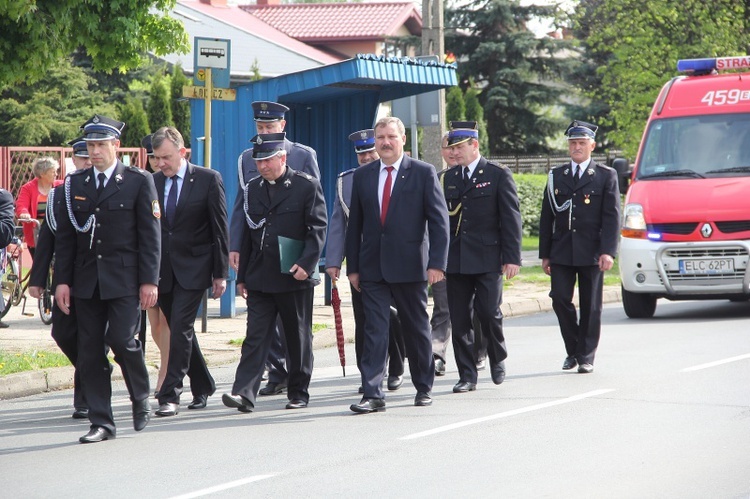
<point x="146" y="144"/>
<point x="79" y="147"/>
<point x="462" y="131"/>
<point x="267" y="145"/>
<point x="364" y="140"/>
<point x="268" y="111"/>
<point x="581" y="130"/>
<point x="102" y="128"/>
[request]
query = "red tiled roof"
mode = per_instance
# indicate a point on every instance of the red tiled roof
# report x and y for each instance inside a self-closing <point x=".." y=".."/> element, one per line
<point x="339" y="21"/>
<point x="239" y="18"/>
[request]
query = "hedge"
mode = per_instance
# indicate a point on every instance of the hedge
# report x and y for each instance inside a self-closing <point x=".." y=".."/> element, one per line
<point x="530" y="188"/>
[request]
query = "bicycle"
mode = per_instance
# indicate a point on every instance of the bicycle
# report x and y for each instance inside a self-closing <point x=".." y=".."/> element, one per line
<point x="14" y="284"/>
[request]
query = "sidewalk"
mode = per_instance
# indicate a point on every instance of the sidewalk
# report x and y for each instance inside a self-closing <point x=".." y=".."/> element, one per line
<point x="29" y="333"/>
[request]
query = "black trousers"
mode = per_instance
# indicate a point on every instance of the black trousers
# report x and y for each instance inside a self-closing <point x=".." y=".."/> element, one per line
<point x="295" y="310"/>
<point x="440" y="322"/>
<point x="396" y="347"/>
<point x="581" y="338"/>
<point x="481" y="294"/>
<point x="112" y="323"/>
<point x="180" y="307"/>
<point x="411" y="303"/>
<point x="276" y="360"/>
<point x="65" y="334"/>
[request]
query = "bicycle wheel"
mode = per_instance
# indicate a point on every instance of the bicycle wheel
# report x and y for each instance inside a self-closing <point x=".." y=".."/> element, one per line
<point x="46" y="301"/>
<point x="10" y="286"/>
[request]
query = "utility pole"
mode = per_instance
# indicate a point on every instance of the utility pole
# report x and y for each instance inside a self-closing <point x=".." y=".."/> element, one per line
<point x="433" y="43"/>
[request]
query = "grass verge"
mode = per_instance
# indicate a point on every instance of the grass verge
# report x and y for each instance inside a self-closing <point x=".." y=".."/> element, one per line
<point x="30" y="361"/>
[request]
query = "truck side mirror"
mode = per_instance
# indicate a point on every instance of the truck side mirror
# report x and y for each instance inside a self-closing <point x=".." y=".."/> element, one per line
<point x="624" y="172"/>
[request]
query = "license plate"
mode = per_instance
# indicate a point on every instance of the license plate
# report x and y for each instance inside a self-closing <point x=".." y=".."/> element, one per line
<point x="707" y="266"/>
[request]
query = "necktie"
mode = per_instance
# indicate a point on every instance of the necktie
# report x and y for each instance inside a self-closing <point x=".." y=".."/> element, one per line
<point x="576" y="176"/>
<point x="386" y="195"/>
<point x="102" y="178"/>
<point x="171" y="201"/>
<point x="467" y="180"/>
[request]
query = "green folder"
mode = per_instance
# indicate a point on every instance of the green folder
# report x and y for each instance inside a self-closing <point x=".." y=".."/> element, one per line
<point x="289" y="252"/>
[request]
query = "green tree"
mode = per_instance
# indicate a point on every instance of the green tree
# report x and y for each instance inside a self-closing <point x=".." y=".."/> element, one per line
<point x="180" y="106"/>
<point x="158" y="110"/>
<point x="518" y="73"/>
<point x="35" y="35"/>
<point x="255" y="69"/>
<point x="638" y="43"/>
<point x="455" y="108"/>
<point x="136" y="122"/>
<point x="50" y="111"/>
<point x="474" y="112"/>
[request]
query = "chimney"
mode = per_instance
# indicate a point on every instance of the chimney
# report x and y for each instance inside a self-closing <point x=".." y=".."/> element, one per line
<point x="260" y="3"/>
<point x="215" y="3"/>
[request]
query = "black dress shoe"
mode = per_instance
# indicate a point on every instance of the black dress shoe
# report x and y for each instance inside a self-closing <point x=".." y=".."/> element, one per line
<point x="464" y="386"/>
<point x="237" y="401"/>
<point x="395" y="382"/>
<point x="272" y="388"/>
<point x="296" y="404"/>
<point x="366" y="406"/>
<point x="168" y="409"/>
<point x="96" y="434"/>
<point x="361" y="389"/>
<point x="199" y="402"/>
<point x="81" y="413"/>
<point x="422" y="399"/>
<point x="439" y="367"/>
<point x="141" y="414"/>
<point x="498" y="372"/>
<point x="570" y="363"/>
<point x="586" y="368"/>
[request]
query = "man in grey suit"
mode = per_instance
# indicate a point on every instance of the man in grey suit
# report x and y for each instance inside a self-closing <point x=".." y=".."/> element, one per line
<point x="394" y="201"/>
<point x="269" y="119"/>
<point x="364" y="146"/>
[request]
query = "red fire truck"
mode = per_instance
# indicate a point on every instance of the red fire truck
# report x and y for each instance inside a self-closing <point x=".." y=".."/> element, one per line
<point x="686" y="221"/>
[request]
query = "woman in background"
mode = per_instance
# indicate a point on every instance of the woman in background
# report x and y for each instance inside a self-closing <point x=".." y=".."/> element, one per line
<point x="32" y="198"/>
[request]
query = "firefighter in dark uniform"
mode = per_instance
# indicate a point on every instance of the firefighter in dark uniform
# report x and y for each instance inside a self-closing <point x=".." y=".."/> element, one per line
<point x="364" y="146"/>
<point x="485" y="246"/>
<point x="578" y="236"/>
<point x="64" y="326"/>
<point x="269" y="118"/>
<point x="107" y="260"/>
<point x="284" y="209"/>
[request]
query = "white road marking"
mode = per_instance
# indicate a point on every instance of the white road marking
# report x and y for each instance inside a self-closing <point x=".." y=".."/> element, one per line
<point x="501" y="415"/>
<point x="225" y="486"/>
<point x="715" y="363"/>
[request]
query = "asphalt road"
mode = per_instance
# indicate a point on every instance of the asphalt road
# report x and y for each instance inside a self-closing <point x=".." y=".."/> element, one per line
<point x="665" y="414"/>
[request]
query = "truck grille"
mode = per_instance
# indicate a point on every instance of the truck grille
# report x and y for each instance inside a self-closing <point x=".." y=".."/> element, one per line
<point x="734" y="226"/>
<point x="708" y="252"/>
<point x="682" y="229"/>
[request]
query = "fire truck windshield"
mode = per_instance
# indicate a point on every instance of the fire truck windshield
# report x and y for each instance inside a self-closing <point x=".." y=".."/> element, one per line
<point x="692" y="147"/>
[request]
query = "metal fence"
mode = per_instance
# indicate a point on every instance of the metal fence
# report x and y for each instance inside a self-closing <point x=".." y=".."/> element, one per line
<point x="543" y="163"/>
<point x="16" y="162"/>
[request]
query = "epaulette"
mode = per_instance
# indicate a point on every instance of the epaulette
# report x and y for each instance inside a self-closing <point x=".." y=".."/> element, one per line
<point x="560" y="166"/>
<point x="303" y="175"/>
<point x="347" y="172"/>
<point x="446" y="170"/>
<point x="135" y="169"/>
<point x="303" y="146"/>
<point x="78" y="172"/>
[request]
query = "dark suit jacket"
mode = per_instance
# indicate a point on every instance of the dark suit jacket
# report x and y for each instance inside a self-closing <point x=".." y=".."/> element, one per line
<point x="592" y="228"/>
<point x="485" y="232"/>
<point x="45" y="243"/>
<point x="298" y="156"/>
<point x="397" y="252"/>
<point x="7" y="214"/>
<point x="195" y="247"/>
<point x="125" y="250"/>
<point x="297" y="211"/>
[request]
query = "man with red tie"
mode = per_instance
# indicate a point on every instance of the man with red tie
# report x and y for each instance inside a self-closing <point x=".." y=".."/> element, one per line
<point x="394" y="200"/>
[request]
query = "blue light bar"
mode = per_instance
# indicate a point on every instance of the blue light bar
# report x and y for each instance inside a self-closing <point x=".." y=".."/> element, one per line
<point x="654" y="236"/>
<point x="692" y="65"/>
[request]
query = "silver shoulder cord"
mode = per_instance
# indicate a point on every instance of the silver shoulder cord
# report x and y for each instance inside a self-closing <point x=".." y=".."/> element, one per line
<point x="50" y="212"/>
<point x="340" y="192"/>
<point x="90" y="223"/>
<point x="553" y="201"/>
